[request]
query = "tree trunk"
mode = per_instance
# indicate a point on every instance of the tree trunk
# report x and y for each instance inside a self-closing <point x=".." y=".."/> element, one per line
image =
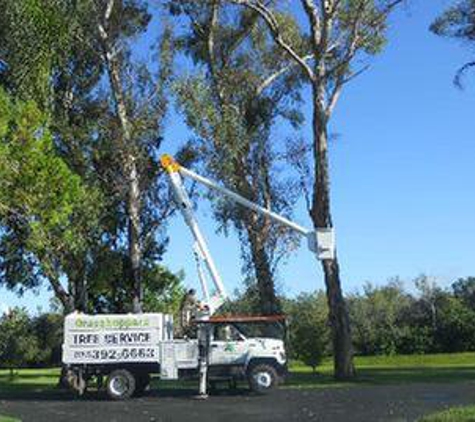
<point x="130" y="170"/>
<point x="134" y="236"/>
<point x="321" y="217"/>
<point x="257" y="233"/>
<point x="340" y="322"/>
<point x="269" y="303"/>
<point x="64" y="296"/>
<point x="78" y="285"/>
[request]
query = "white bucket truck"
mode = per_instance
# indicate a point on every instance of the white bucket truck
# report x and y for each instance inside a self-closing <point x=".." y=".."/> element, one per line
<point x="127" y="349"/>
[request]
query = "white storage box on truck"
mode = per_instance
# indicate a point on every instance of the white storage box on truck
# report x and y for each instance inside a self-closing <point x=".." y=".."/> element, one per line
<point x="115" y="338"/>
<point x="127" y="349"/>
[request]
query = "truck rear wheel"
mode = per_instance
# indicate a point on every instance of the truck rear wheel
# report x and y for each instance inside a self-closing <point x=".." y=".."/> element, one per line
<point x="262" y="378"/>
<point x="120" y="384"/>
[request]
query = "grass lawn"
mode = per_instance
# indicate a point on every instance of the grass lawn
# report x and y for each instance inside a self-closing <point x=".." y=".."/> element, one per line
<point x="456" y="414"/>
<point x="380" y="370"/>
<point x="30" y="380"/>
<point x="371" y="370"/>
<point x="8" y="419"/>
<point x="375" y="370"/>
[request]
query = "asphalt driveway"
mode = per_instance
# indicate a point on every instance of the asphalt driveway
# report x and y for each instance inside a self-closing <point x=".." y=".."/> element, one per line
<point x="367" y="403"/>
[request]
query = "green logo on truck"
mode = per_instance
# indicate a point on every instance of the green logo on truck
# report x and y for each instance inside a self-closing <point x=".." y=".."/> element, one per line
<point x="112" y="323"/>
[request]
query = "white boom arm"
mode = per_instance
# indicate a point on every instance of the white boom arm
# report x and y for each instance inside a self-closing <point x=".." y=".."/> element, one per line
<point x="321" y="241"/>
<point x="201" y="247"/>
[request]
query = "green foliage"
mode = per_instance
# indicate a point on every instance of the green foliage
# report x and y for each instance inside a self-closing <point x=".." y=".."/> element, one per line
<point x="18" y="345"/>
<point x="27" y="341"/>
<point x="416" y="338"/>
<point x="375" y="316"/>
<point x="46" y="213"/>
<point x="48" y="331"/>
<point x="35" y="36"/>
<point x="464" y="290"/>
<point x="109" y="291"/>
<point x="231" y="105"/>
<point x="386" y="320"/>
<point x="54" y="56"/>
<point x="245" y="302"/>
<point x="309" y="328"/>
<point x="164" y="291"/>
<point x="458" y="22"/>
<point x="455" y="330"/>
<point x="371" y="15"/>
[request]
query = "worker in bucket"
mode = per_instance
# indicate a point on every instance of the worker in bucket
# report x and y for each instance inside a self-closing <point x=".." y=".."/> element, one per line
<point x="188" y="308"/>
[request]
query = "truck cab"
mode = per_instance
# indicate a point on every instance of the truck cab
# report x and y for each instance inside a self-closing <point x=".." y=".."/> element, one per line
<point x="260" y="360"/>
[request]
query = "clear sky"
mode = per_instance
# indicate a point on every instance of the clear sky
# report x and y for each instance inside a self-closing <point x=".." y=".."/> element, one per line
<point x="402" y="166"/>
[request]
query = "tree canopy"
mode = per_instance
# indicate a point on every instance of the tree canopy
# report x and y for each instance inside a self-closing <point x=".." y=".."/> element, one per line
<point x="241" y="89"/>
<point x="458" y="22"/>
<point x="47" y="214"/>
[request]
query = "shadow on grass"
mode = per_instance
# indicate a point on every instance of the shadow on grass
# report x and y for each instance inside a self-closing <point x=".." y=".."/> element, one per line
<point x="384" y="376"/>
<point x="185" y="390"/>
<point x="33" y="392"/>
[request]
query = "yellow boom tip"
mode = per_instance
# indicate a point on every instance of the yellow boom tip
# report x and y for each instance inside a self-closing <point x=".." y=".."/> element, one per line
<point x="169" y="163"/>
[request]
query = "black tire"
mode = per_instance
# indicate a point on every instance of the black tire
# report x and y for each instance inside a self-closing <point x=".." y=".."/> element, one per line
<point x="262" y="378"/>
<point x="142" y="384"/>
<point x="120" y="384"/>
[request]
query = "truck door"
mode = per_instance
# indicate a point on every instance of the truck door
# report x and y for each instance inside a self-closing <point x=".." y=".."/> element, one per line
<point x="228" y="346"/>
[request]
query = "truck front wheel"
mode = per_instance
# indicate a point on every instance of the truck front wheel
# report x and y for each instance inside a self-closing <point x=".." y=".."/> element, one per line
<point x="120" y="384"/>
<point x="262" y="378"/>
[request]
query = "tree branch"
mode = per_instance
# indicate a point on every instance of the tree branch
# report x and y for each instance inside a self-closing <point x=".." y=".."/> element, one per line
<point x="335" y="95"/>
<point x="59" y="291"/>
<point x="458" y="80"/>
<point x="213" y="21"/>
<point x="109" y="8"/>
<point x="311" y="9"/>
<point x="242" y="35"/>
<point x="271" y="78"/>
<point x="341" y="68"/>
<point x="273" y="25"/>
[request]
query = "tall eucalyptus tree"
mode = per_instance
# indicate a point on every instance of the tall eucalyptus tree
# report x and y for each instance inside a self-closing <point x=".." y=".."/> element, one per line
<point x="140" y="120"/>
<point x="241" y="88"/>
<point x="338" y="34"/>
